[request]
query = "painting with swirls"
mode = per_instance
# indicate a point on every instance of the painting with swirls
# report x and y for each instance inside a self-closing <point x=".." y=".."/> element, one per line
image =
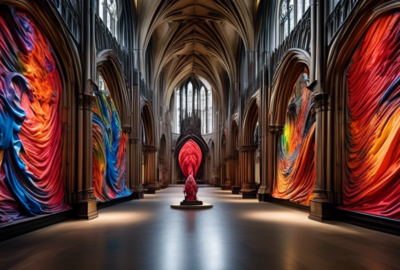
<point x="109" y="150"/>
<point x="296" y="165"/>
<point x="30" y="120"/>
<point x="372" y="164"/>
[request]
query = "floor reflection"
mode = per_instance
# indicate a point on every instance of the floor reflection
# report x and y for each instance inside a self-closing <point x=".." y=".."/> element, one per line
<point x="235" y="234"/>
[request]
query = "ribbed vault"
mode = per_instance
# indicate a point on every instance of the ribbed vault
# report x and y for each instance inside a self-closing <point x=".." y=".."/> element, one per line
<point x="196" y="37"/>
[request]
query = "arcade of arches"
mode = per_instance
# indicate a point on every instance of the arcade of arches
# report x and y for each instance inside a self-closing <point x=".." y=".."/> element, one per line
<point x="293" y="105"/>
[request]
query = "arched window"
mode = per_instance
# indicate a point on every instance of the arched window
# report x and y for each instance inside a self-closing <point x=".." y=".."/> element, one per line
<point x="203" y="109"/>
<point x="209" y="111"/>
<point x="190" y="99"/>
<point x="291" y="12"/>
<point x="108" y="14"/>
<point x="194" y="102"/>
<point x="183" y="101"/>
<point x="102" y="84"/>
<point x="178" y="110"/>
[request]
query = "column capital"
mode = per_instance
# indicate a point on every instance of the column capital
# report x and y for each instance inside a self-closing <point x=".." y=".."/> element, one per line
<point x="320" y="101"/>
<point x="149" y="148"/>
<point x="276" y="129"/>
<point x="86" y="101"/>
<point x="127" y="129"/>
<point x="248" y="148"/>
<point x="134" y="140"/>
<point x="84" y="196"/>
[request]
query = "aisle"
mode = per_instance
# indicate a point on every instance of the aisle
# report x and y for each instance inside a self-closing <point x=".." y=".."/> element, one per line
<point x="235" y="234"/>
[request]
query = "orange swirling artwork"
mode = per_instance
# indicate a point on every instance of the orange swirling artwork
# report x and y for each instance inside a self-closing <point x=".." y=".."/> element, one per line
<point x="373" y="122"/>
<point x="30" y="120"/>
<point x="296" y="166"/>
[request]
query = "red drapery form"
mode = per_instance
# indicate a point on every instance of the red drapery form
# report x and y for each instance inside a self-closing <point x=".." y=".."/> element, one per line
<point x="373" y="127"/>
<point x="190" y="158"/>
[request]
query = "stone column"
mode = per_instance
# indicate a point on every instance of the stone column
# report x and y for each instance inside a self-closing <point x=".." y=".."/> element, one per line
<point x="321" y="207"/>
<point x="246" y="161"/>
<point x="232" y="164"/>
<point x="265" y="189"/>
<point x="134" y="139"/>
<point x="150" y="166"/>
<point x="85" y="200"/>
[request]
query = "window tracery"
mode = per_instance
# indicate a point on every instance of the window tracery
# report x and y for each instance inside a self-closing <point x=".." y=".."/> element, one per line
<point x="108" y="14"/>
<point x="291" y="12"/>
<point x="190" y="101"/>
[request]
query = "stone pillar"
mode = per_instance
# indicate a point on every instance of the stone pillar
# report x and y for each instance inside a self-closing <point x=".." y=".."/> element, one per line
<point x="85" y="200"/>
<point x="265" y="189"/>
<point x="272" y="144"/>
<point x="232" y="165"/>
<point x="150" y="168"/>
<point x="134" y="140"/>
<point x="321" y="207"/>
<point x="246" y="162"/>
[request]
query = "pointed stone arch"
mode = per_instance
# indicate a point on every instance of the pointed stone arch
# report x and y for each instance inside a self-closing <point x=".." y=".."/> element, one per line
<point x="286" y="74"/>
<point x="109" y="68"/>
<point x="149" y="150"/>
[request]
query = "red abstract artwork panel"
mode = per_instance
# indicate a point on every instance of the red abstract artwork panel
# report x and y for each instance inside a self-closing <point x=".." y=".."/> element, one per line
<point x="296" y="166"/>
<point x="373" y="122"/>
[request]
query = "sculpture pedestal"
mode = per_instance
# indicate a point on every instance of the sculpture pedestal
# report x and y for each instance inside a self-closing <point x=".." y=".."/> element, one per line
<point x="194" y="207"/>
<point x="191" y="202"/>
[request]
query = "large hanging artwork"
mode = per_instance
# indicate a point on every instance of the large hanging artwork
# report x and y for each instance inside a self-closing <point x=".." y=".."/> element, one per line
<point x="296" y="166"/>
<point x="373" y="122"/>
<point x="109" y="150"/>
<point x="30" y="120"/>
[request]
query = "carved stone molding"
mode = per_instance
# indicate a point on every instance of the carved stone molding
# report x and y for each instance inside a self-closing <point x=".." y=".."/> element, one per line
<point x="235" y="117"/>
<point x="134" y="141"/>
<point x="149" y="148"/>
<point x="127" y="129"/>
<point x="321" y="195"/>
<point x="320" y="101"/>
<point x="84" y="195"/>
<point x="86" y="101"/>
<point x="276" y="129"/>
<point x="248" y="148"/>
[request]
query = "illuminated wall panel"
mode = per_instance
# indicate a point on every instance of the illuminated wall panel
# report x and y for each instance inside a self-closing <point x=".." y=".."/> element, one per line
<point x="296" y="165"/>
<point x="373" y="122"/>
<point x="109" y="150"/>
<point x="30" y="120"/>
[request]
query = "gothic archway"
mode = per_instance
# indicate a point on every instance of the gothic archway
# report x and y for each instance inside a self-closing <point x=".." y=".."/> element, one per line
<point x="163" y="162"/>
<point x="149" y="150"/>
<point x="248" y="145"/>
<point x="201" y="177"/>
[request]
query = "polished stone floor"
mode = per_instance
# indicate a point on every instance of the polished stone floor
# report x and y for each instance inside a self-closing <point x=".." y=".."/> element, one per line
<point x="235" y="234"/>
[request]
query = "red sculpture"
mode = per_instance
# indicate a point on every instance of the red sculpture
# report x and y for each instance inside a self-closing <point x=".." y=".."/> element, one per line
<point x="190" y="160"/>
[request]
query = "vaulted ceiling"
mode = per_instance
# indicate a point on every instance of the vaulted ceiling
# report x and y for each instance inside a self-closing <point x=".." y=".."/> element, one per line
<point x="200" y="37"/>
